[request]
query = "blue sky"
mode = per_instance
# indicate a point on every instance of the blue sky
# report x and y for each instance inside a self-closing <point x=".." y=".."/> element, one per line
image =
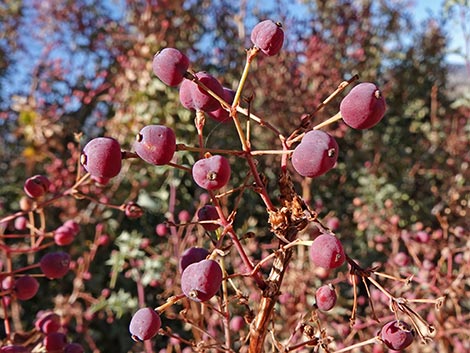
<point x="425" y="8"/>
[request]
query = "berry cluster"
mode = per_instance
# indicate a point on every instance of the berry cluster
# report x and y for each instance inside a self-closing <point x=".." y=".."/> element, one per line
<point x="306" y="152"/>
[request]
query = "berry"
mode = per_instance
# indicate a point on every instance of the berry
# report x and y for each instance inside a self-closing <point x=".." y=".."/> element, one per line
<point x="211" y="173"/>
<point x="201" y="280"/>
<point x="195" y="98"/>
<point x="74" y="348"/>
<point x="144" y="324"/>
<point x="55" y="264"/>
<point x="161" y="229"/>
<point x="47" y="322"/>
<point x="170" y="65"/>
<point x="325" y="297"/>
<point x="363" y="107"/>
<point x="184" y="216"/>
<point x="327" y="251"/>
<point x="66" y="233"/>
<point x="396" y="335"/>
<point x="21" y="223"/>
<point x="221" y="114"/>
<point x="192" y="255"/>
<point x="208" y="213"/>
<point x="315" y="155"/>
<point x="36" y="186"/>
<point x="268" y="36"/>
<point x="26" y="287"/>
<point x="155" y="144"/>
<point x="101" y="157"/>
<point x="132" y="210"/>
<point x="55" y="342"/>
<point x="237" y="323"/>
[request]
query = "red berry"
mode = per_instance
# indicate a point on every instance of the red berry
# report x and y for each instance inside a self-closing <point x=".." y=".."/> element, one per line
<point x="363" y="107"/>
<point x="55" y="264"/>
<point x="396" y="335"/>
<point x="144" y="324"/>
<point x="26" y="287"/>
<point x="221" y="114"/>
<point x="316" y="154"/>
<point x="36" y="186"/>
<point x="55" y="342"/>
<point x="208" y="213"/>
<point x="48" y="322"/>
<point x="268" y="36"/>
<point x="170" y="65"/>
<point x="327" y="251"/>
<point x="195" y="98"/>
<point x="64" y="235"/>
<point x="201" y="280"/>
<point x="192" y="255"/>
<point x="325" y="297"/>
<point x="211" y="173"/>
<point x="155" y="144"/>
<point x="102" y="157"/>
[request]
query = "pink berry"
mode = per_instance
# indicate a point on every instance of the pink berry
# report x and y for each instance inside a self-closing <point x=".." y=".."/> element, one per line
<point x="211" y="173"/>
<point x="220" y="114"/>
<point x="327" y="251"/>
<point x="325" y="297"/>
<point x="268" y="36"/>
<point x="64" y="235"/>
<point x="102" y="157"/>
<point x="55" y="264"/>
<point x="155" y="144"/>
<point x="195" y="98"/>
<point x="170" y="66"/>
<point x="237" y="323"/>
<point x="161" y="229"/>
<point x="363" y="107"/>
<point x="144" y="324"/>
<point x="316" y="154"/>
<point x="201" y="280"/>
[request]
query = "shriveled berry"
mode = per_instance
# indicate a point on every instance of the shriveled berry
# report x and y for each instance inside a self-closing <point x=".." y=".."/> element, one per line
<point x="363" y="107"/>
<point x="102" y="157"/>
<point x="144" y="324"/>
<point x="36" y="186"/>
<point x="170" y="65"/>
<point x="268" y="36"/>
<point x="156" y="144"/>
<point x="396" y="335"/>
